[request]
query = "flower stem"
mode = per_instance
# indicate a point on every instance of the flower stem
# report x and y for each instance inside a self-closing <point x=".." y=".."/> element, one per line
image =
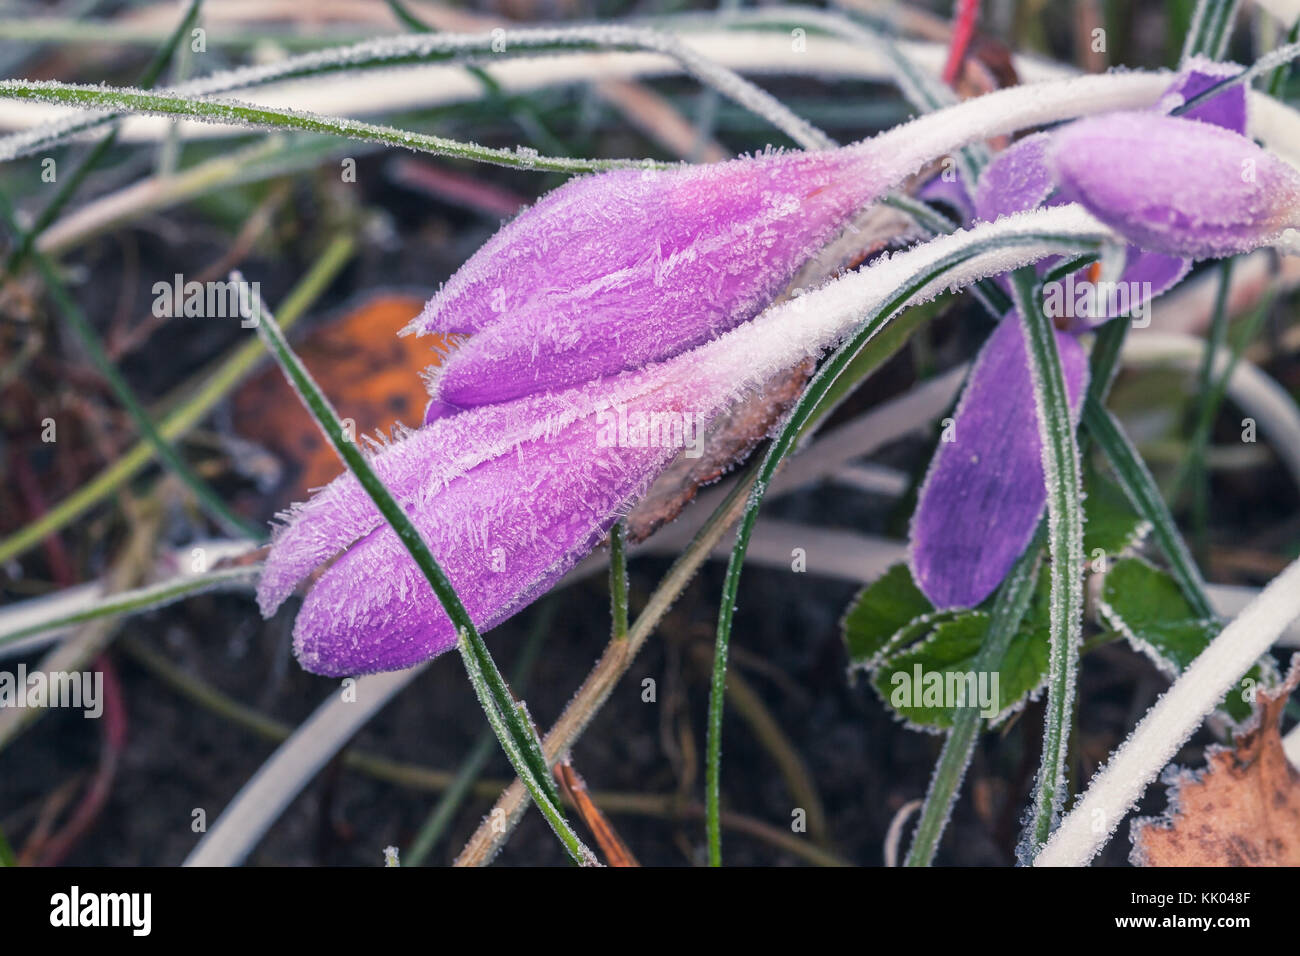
<point x="1065" y="546"/>
<point x="807" y="408"/>
<point x="618" y="580"/>
<point x="1009" y="609"/>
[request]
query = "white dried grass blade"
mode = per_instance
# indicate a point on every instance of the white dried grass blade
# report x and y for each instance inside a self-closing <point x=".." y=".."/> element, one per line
<point x="1117" y="787"/>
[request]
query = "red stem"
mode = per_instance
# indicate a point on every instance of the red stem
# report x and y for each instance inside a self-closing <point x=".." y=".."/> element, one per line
<point x="963" y="28"/>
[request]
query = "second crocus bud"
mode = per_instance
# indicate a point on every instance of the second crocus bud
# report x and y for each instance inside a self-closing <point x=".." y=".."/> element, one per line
<point x="613" y="271"/>
<point x="1176" y="186"/>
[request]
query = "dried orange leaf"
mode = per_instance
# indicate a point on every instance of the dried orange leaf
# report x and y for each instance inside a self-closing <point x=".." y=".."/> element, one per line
<point x="371" y="375"/>
<point x="1242" y="810"/>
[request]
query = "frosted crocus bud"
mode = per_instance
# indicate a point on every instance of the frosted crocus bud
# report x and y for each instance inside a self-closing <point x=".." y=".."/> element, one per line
<point x="612" y="271"/>
<point x="984" y="492"/>
<point x="1176" y="186"/>
<point x="541" y="484"/>
<point x="509" y="497"/>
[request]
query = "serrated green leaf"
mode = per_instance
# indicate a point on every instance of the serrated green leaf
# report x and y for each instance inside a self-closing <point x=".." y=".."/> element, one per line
<point x="1147" y="607"/>
<point x="1142" y="595"/>
<point x="924" y="683"/>
<point x="879" y="612"/>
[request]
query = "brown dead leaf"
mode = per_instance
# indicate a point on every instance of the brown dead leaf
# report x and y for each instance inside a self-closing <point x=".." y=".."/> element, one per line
<point x="1242" y="810"/>
<point x="371" y="375"/>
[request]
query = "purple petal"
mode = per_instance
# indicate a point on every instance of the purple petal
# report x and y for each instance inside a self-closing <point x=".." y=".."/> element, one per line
<point x="1226" y="108"/>
<point x="984" y="493"/>
<point x="614" y="271"/>
<point x="1019" y="178"/>
<point x="503" y="533"/>
<point x="1086" y="304"/>
<point x="412" y="469"/>
<point x="1176" y="186"/>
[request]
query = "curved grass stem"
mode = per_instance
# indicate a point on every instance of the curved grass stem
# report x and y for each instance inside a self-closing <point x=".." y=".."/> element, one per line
<point x="1009" y="609"/>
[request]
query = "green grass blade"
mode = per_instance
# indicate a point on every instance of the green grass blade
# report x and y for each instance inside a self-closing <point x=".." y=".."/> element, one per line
<point x="208" y="499"/>
<point x="501" y="712"/>
<point x="138" y="601"/>
<point x="223" y="378"/>
<point x="1144" y="494"/>
<point x="1009" y="609"/>
<point x="518" y="759"/>
<point x="794" y="425"/>
<point x="618" y="580"/>
<point x="128" y="100"/>
<point x="1065" y="546"/>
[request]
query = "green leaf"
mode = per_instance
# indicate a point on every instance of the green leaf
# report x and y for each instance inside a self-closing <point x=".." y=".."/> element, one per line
<point x="924" y="684"/>
<point x="1147" y="607"/>
<point x="1141" y="490"/>
<point x="880" y="612"/>
<point x="1111" y="524"/>
<point x="1064" y="484"/>
<point x="891" y="628"/>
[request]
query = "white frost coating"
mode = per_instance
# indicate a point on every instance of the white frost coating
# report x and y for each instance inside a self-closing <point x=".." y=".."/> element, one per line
<point x="413" y="87"/>
<point x="1019" y="107"/>
<point x="494" y="46"/>
<point x="25" y="614"/>
<point x="894" y="836"/>
<point x="48" y="610"/>
<point x="774" y="341"/>
<point x="1059" y="453"/>
<point x="1274" y="124"/>
<point x="1250" y="389"/>
<point x="175" y="565"/>
<point x="748" y="356"/>
<point x="1117" y="787"/>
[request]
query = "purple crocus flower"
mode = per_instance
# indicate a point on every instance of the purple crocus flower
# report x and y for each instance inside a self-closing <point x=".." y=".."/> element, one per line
<point x="618" y="269"/>
<point x="585" y="375"/>
<point x="1176" y="187"/>
<point x="509" y="497"/>
<point x="583" y="313"/>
